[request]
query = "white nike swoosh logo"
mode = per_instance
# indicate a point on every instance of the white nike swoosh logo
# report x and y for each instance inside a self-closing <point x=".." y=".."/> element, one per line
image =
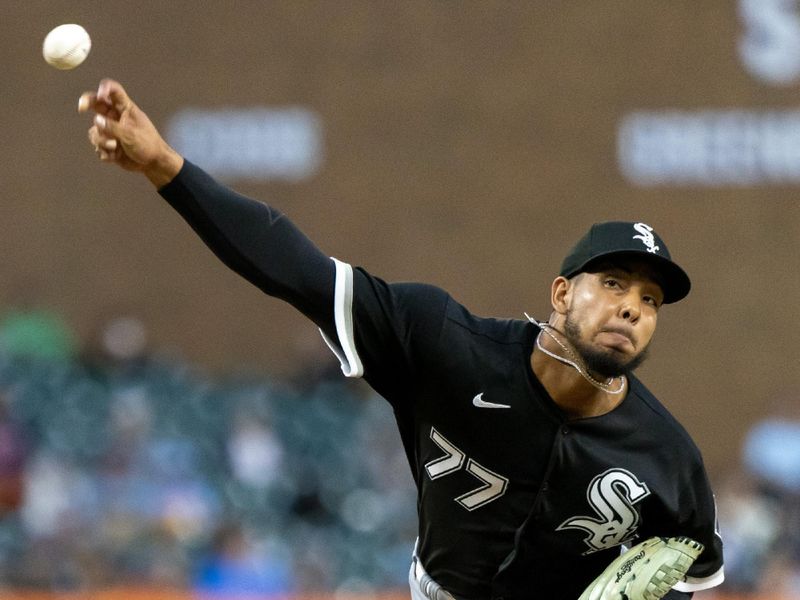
<point x="481" y="403"/>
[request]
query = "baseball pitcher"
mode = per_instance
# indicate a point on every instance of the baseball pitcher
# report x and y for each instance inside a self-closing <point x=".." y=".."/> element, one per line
<point x="545" y="469"/>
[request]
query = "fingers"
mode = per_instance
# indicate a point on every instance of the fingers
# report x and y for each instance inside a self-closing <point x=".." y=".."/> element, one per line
<point x="113" y="94"/>
<point x="108" y="126"/>
<point x="98" y="139"/>
<point x="109" y="94"/>
<point x="86" y="101"/>
<point x="107" y="149"/>
<point x="109" y="154"/>
<point x="109" y="103"/>
<point x="90" y="101"/>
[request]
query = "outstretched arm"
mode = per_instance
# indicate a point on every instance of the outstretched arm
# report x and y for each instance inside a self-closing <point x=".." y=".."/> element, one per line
<point x="252" y="238"/>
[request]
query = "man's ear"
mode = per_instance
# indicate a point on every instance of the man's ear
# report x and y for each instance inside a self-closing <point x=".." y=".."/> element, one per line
<point x="560" y="294"/>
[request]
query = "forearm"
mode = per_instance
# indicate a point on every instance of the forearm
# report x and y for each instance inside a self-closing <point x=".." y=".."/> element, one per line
<point x="256" y="241"/>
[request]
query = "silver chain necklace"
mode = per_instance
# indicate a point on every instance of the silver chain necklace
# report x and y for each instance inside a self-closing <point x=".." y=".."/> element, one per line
<point x="576" y="364"/>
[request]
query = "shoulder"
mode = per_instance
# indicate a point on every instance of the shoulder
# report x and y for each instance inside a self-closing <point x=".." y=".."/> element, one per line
<point x="405" y="293"/>
<point x="427" y="301"/>
<point x="489" y="329"/>
<point x="427" y="315"/>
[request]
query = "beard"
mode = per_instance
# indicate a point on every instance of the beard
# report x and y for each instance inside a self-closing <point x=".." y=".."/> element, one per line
<point x="606" y="362"/>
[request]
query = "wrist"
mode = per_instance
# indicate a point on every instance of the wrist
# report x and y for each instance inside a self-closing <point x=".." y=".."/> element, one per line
<point x="164" y="168"/>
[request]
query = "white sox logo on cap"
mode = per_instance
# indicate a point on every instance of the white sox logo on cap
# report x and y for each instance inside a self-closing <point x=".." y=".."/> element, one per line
<point x="647" y="237"/>
<point x="614" y="238"/>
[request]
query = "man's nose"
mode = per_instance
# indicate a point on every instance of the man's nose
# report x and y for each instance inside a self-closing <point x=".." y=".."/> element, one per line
<point x="631" y="307"/>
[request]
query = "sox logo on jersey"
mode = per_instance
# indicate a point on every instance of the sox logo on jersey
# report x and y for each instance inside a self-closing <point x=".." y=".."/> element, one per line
<point x="612" y="495"/>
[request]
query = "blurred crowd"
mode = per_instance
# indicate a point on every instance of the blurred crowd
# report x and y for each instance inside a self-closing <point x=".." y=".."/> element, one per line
<point x="119" y="466"/>
<point x="759" y="507"/>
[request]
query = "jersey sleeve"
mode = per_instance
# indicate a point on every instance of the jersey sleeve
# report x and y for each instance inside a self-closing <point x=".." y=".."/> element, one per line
<point x="387" y="333"/>
<point x="257" y="241"/>
<point x="699" y="521"/>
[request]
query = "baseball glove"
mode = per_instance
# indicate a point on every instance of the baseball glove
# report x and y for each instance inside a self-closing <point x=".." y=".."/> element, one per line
<point x="645" y="572"/>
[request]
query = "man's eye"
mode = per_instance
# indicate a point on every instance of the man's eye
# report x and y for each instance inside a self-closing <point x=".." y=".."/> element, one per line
<point x="612" y="283"/>
<point x="652" y="301"/>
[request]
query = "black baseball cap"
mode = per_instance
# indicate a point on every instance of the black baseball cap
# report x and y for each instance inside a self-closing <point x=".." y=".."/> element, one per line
<point x="623" y="238"/>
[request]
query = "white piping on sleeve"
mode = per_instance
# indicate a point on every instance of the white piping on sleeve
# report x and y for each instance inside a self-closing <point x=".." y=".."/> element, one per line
<point x="345" y="350"/>
<point x="695" y="584"/>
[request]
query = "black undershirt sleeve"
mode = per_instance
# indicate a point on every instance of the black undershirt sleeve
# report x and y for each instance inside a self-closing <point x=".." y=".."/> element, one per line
<point x="256" y="241"/>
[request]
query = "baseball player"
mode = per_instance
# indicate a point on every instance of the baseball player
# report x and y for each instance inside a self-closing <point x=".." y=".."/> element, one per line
<point x="538" y="456"/>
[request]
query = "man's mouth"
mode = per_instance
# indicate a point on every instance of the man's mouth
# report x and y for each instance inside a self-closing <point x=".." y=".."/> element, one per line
<point x="618" y="339"/>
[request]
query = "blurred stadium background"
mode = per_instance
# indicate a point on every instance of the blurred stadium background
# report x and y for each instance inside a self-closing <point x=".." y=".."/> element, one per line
<point x="169" y="432"/>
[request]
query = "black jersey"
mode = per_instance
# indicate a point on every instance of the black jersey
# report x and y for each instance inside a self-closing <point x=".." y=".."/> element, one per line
<point x="515" y="500"/>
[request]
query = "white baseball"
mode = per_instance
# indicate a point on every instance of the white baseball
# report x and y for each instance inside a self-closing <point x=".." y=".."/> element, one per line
<point x="66" y="46"/>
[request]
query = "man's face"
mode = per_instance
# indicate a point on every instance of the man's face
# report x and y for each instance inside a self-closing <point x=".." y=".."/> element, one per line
<point x="611" y="315"/>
